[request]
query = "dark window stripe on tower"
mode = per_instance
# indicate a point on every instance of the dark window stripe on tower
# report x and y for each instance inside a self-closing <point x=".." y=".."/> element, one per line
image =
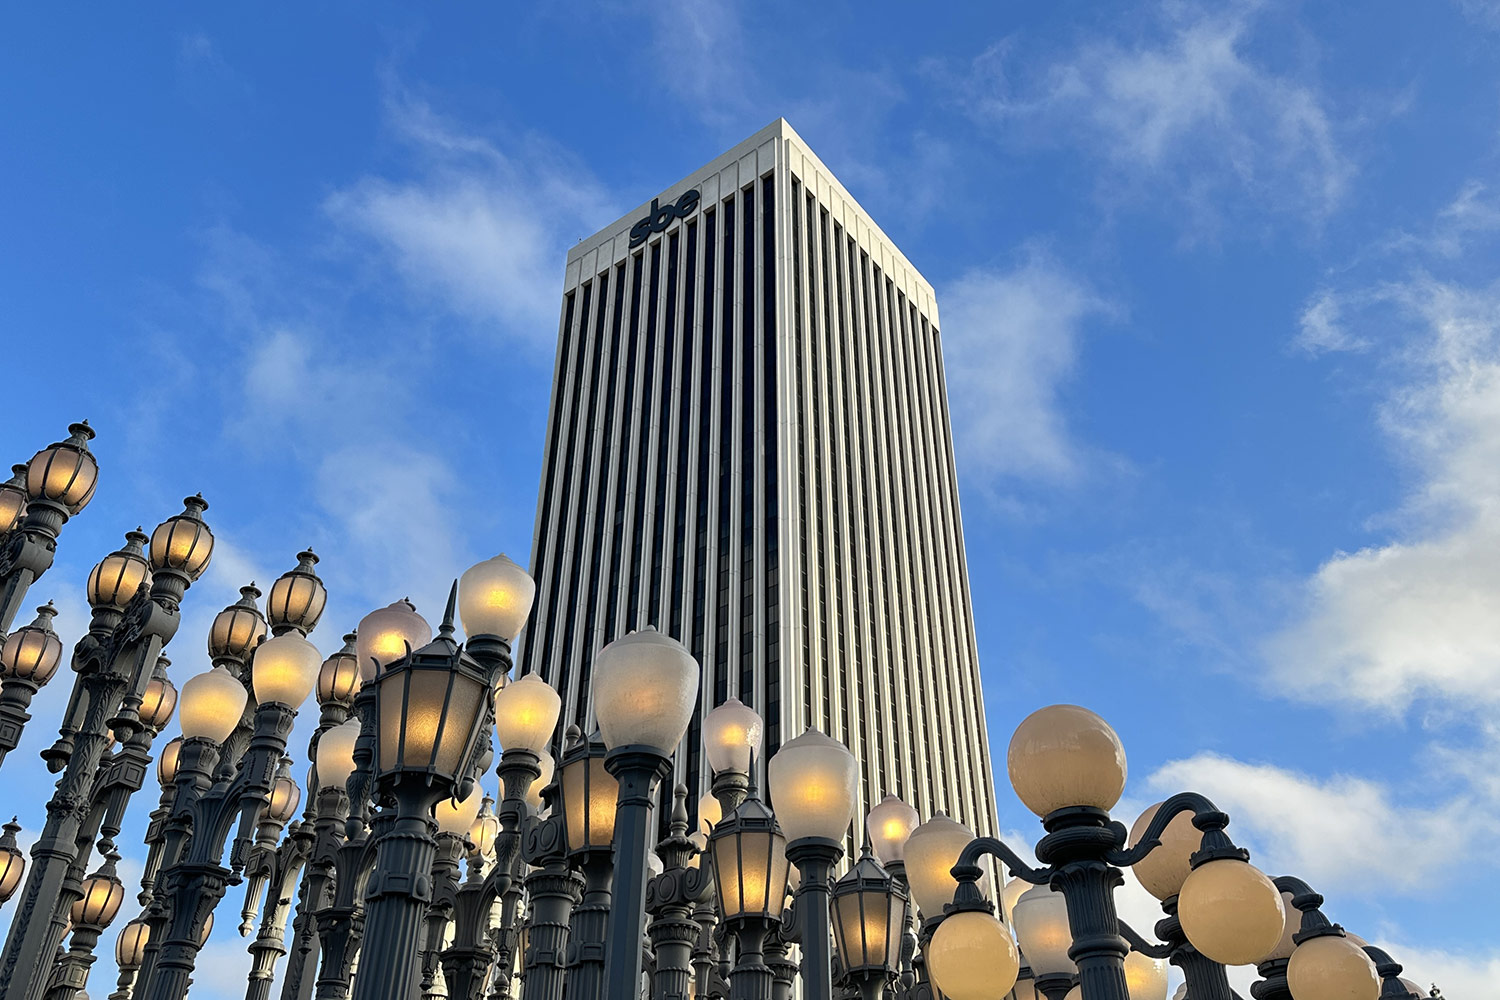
<point x="771" y="528"/>
<point x="545" y="526"/>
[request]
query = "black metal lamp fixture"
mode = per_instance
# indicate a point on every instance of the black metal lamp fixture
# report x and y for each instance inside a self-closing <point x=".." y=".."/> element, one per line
<point x="750" y="878"/>
<point x="869" y="921"/>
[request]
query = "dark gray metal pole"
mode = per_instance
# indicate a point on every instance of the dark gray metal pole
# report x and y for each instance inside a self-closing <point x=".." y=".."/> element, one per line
<point x="670" y="898"/>
<point x="396" y="898"/>
<point x="751" y="978"/>
<point x="555" y="890"/>
<point x="638" y="769"/>
<point x="589" y="927"/>
<point x="815" y="858"/>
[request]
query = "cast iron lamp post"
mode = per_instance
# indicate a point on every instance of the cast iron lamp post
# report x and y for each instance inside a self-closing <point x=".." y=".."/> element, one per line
<point x="59" y="481"/>
<point x="670" y="898"/>
<point x="114" y="662"/>
<point x="814" y="781"/>
<point x="869" y="924"/>
<point x="555" y="890"/>
<point x="645" y="686"/>
<point x="750" y="880"/>
<point x="589" y="796"/>
<point x="91" y="914"/>
<point x="432" y="707"/>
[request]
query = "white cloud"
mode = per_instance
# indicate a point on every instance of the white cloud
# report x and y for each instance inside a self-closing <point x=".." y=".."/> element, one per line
<point x="483" y="226"/>
<point x="1322" y="327"/>
<point x="1456" y="974"/>
<point x="1343" y="834"/>
<point x="1186" y="112"/>
<point x="1011" y="340"/>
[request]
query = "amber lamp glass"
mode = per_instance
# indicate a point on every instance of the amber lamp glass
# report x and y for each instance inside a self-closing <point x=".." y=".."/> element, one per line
<point x="13" y="499"/>
<point x="931" y="852"/>
<point x="1286" y="945"/>
<point x="386" y="635"/>
<point x="1163" y="871"/>
<point x="130" y="946"/>
<point x="32" y="653"/>
<point x="889" y="825"/>
<point x="338" y="678"/>
<point x="430" y="712"/>
<point x="710" y="811"/>
<point x="526" y="714"/>
<point x="103" y="893"/>
<point x="183" y="542"/>
<point x="335" y="757"/>
<point x="116" y="578"/>
<point x="455" y="816"/>
<point x="494" y="598"/>
<point x="65" y="472"/>
<point x="750" y="866"/>
<point x="166" y="764"/>
<point x="972" y="957"/>
<point x="285" y="670"/>
<point x="1064" y="755"/>
<point x="1145" y="977"/>
<point x="589" y="795"/>
<point x="286" y="796"/>
<point x="731" y="733"/>
<point x="298" y="596"/>
<point x="869" y="916"/>
<point x="1332" y="968"/>
<point x="12" y="861"/>
<point x="238" y="628"/>
<point x="158" y="703"/>
<point x="534" y="793"/>
<point x="212" y="704"/>
<point x="1231" y="912"/>
<point x="814" y="782"/>
<point x="485" y="828"/>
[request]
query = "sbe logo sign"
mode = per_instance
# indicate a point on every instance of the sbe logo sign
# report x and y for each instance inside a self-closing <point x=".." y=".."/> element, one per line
<point x="661" y="217"/>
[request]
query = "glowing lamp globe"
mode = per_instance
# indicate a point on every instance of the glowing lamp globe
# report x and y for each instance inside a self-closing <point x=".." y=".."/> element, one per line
<point x="889" y="824"/>
<point x="1332" y="968"/>
<point x="494" y="598"/>
<point x="534" y="793"/>
<point x="1163" y="871"/>
<point x="455" y="816"/>
<point x="814" y="782"/>
<point x="116" y="578"/>
<point x="526" y="714"/>
<point x="645" y="687"/>
<point x="130" y="946"/>
<point x="13" y="499"/>
<point x="931" y="852"/>
<point x="158" y="702"/>
<point x="1286" y="945"/>
<point x="1013" y="891"/>
<point x="183" y="542"/>
<point x="166" y="764"/>
<point x="212" y="704"/>
<point x="972" y="957"/>
<point x="32" y="653"/>
<point x="297" y="597"/>
<point x="386" y="635"/>
<point x="1145" y="977"/>
<point x="338" y="678"/>
<point x="1231" y="912"/>
<point x="12" y="861"/>
<point x="103" y="893"/>
<point x="710" y="811"/>
<point x="285" y="669"/>
<point x="238" y="628"/>
<point x="65" y="473"/>
<point x="1041" y="922"/>
<point x="1064" y="755"/>
<point x="731" y="733"/>
<point x="335" y="757"/>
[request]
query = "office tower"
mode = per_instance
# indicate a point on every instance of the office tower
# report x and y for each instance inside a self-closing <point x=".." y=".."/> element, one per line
<point x="749" y="449"/>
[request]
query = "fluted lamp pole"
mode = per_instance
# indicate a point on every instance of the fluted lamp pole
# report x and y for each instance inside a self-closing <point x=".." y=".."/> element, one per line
<point x="750" y="881"/>
<point x="645" y="687"/>
<point x="814" y="781"/>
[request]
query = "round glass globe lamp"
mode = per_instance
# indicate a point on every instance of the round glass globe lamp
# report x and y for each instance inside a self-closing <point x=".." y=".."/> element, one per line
<point x="645" y="687"/>
<point x="1065" y="755"/>
<point x="1231" y="912"/>
<point x="731" y="734"/>
<point x="972" y="957"/>
<point x="494" y="598"/>
<point x="212" y="703"/>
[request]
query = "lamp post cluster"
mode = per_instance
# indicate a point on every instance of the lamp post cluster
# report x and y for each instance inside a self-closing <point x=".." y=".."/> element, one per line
<point x="404" y="879"/>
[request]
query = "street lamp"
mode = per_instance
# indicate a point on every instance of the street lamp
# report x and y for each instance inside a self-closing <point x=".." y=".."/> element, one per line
<point x="732" y="734"/>
<point x="12" y="861"/>
<point x="130" y="950"/>
<point x="814" y="786"/>
<point x="28" y="660"/>
<point x="645" y="687"/>
<point x="869" y="911"/>
<point x="1040" y="918"/>
<point x="750" y="879"/>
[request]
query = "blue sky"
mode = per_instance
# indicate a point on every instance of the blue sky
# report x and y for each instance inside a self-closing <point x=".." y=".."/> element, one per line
<point x="1219" y="305"/>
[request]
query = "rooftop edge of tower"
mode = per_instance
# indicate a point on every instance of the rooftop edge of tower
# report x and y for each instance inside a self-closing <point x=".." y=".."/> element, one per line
<point x="779" y="129"/>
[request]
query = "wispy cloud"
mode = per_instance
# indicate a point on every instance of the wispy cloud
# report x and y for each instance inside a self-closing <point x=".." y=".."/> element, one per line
<point x="1184" y="113"/>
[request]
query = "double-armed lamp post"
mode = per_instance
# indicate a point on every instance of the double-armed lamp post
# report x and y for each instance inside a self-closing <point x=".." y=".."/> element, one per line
<point x="401" y="882"/>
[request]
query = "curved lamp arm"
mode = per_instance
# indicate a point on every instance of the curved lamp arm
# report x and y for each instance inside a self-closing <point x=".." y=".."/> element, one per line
<point x="1140" y="944"/>
<point x="968" y="872"/>
<point x="1206" y="817"/>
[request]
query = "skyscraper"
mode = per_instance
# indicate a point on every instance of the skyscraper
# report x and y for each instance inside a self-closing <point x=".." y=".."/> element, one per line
<point x="749" y="449"/>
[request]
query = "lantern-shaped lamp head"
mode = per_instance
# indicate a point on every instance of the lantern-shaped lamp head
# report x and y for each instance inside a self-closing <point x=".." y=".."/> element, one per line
<point x="931" y="852"/>
<point x="166" y="763"/>
<point x="183" y="542"/>
<point x="33" y="652"/>
<point x="494" y="598"/>
<point x="889" y="824"/>
<point x="65" y="473"/>
<point x="814" y="782"/>
<point x="285" y="669"/>
<point x="386" y="635"/>
<point x="339" y="679"/>
<point x="238" y="629"/>
<point x="1064" y="755"/>
<point x="589" y="795"/>
<point x="103" y="892"/>
<point x="117" y="577"/>
<point x="750" y="866"/>
<point x="335" y="757"/>
<point x="645" y="687"/>
<point x="159" y="700"/>
<point x="212" y="703"/>
<point x="297" y="597"/>
<point x="526" y="714"/>
<point x="285" y="796"/>
<point x="432" y="713"/>
<point x="130" y="946"/>
<point x="13" y="499"/>
<point x="12" y="861"/>
<point x="731" y="734"/>
<point x="869" y="919"/>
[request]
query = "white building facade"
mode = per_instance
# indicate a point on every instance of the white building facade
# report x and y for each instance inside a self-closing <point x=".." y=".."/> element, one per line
<point x="749" y="449"/>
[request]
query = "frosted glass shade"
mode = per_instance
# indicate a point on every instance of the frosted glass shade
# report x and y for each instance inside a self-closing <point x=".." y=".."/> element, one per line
<point x="1231" y="912"/>
<point x="65" y="472"/>
<point x="494" y="598"/>
<point x="1163" y="871"/>
<point x="32" y="652"/>
<point x="286" y="796"/>
<point x="1286" y="945"/>
<point x="814" y="782"/>
<point x="116" y="577"/>
<point x="158" y="703"/>
<point x="971" y="957"/>
<point x="709" y="813"/>
<point x="285" y="669"/>
<point x="455" y="816"/>
<point x="1013" y="891"/>
<point x="431" y="713"/>
<point x="1145" y="977"/>
<point x="130" y="946"/>
<point x="889" y="824"/>
<point x="526" y="714"/>
<point x="589" y="796"/>
<point x="750" y="872"/>
<point x="534" y="793"/>
<point x="931" y="852"/>
<point x="338" y="678"/>
<point x="384" y="636"/>
<point x="297" y="597"/>
<point x="869" y="916"/>
<point x="212" y="704"/>
<point x="166" y="764"/>
<point x="1332" y="968"/>
<point x="1040" y="917"/>
<point x="645" y="687"/>
<point x="731" y="733"/>
<point x="335" y="758"/>
<point x="1064" y="755"/>
<point x="484" y="829"/>
<point x="183" y="542"/>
